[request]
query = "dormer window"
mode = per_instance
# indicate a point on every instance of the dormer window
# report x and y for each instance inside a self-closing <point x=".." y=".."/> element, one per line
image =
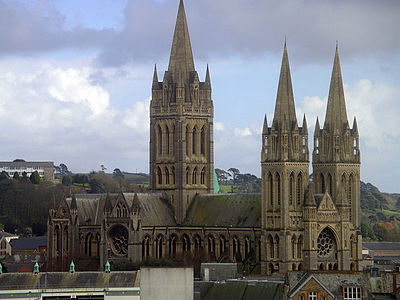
<point x="352" y="293"/>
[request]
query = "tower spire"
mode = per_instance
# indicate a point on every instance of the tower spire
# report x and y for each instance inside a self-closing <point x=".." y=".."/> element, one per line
<point x="265" y="126"/>
<point x="181" y="58"/>
<point x="336" y="115"/>
<point x="207" y="80"/>
<point x="284" y="100"/>
<point x="155" y="77"/>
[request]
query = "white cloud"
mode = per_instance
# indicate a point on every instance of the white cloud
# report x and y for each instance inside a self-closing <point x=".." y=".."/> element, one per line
<point x="53" y="113"/>
<point x="219" y="126"/>
<point x="242" y="132"/>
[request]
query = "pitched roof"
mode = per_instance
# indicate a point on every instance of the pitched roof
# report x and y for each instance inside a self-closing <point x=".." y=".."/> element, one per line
<point x="284" y="107"/>
<point x="181" y="59"/>
<point x="336" y="115"/>
<point x="237" y="289"/>
<point x="303" y="281"/>
<point x="154" y="210"/>
<point x="30" y="243"/>
<point x="224" y="210"/>
<point x="59" y="280"/>
<point x="381" y="245"/>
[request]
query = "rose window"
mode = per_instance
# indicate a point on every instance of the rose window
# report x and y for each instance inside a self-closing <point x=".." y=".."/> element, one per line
<point x="326" y="244"/>
<point x="118" y="239"/>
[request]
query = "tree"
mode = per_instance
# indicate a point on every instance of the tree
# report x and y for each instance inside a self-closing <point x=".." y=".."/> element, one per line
<point x="4" y="175"/>
<point x="64" y="169"/>
<point x="118" y="174"/>
<point x="222" y="175"/>
<point x="103" y="168"/>
<point x="80" y="178"/>
<point x="16" y="176"/>
<point x="235" y="172"/>
<point x="35" y="177"/>
<point x="67" y="180"/>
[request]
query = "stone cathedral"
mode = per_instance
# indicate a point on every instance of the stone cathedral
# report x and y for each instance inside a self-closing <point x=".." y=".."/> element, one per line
<point x="295" y="224"/>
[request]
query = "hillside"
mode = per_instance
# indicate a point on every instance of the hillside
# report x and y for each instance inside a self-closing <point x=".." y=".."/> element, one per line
<point x="380" y="214"/>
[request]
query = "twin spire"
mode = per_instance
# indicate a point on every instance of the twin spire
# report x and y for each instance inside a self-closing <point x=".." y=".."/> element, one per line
<point x="336" y="115"/>
<point x="285" y="114"/>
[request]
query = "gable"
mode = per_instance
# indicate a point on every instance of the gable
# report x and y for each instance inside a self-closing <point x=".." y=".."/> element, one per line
<point x="310" y="284"/>
<point x="326" y="204"/>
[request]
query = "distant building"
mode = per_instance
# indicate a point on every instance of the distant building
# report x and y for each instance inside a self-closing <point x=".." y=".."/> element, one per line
<point x="44" y="168"/>
<point x="79" y="285"/>
<point x="5" y="247"/>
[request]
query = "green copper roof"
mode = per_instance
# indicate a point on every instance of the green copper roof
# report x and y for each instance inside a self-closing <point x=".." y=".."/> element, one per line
<point x="216" y="184"/>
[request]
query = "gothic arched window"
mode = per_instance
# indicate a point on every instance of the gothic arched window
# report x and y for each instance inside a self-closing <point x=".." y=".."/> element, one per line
<point x="187" y="175"/>
<point x="159" y="140"/>
<point x="299" y="246"/>
<point x="173" y="175"/>
<point x="203" y="141"/>
<point x="247" y="246"/>
<point x="185" y="243"/>
<point x="194" y="141"/>
<point x="167" y="136"/>
<point x="146" y="247"/>
<point x="203" y="176"/>
<point x="271" y="247"/>
<point x="322" y="180"/>
<point x="278" y="188"/>
<point x="350" y="193"/>
<point x="159" y="175"/>
<point x="187" y="141"/>
<point x="271" y="189"/>
<point x="291" y="188"/>
<point x="330" y="190"/>
<point x="211" y="244"/>
<point x="221" y="245"/>
<point x="299" y="189"/>
<point x="166" y="175"/>
<point x="173" y="140"/>
<point x="194" y="179"/>
<point x="159" y="246"/>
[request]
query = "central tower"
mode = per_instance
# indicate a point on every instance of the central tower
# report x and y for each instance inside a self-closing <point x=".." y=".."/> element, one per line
<point x="181" y="126"/>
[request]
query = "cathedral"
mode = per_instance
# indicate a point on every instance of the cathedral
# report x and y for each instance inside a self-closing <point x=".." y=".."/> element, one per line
<point x="295" y="224"/>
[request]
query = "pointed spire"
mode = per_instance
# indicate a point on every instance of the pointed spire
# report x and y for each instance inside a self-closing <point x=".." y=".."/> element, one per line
<point x="73" y="202"/>
<point x="317" y="127"/>
<point x="284" y="100"/>
<point x="181" y="58"/>
<point x="304" y="127"/>
<point x="265" y="126"/>
<point x="309" y="196"/>
<point x="336" y="115"/>
<point x="208" y="81"/>
<point x="135" y="202"/>
<point x="355" y="127"/>
<point x="155" y="77"/>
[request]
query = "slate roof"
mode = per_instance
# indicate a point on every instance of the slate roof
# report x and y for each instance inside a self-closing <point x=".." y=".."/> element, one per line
<point x="225" y="210"/>
<point x="381" y="245"/>
<point x="30" y="243"/>
<point x="60" y="280"/>
<point x="154" y="210"/>
<point x="241" y="290"/>
<point x="222" y="210"/>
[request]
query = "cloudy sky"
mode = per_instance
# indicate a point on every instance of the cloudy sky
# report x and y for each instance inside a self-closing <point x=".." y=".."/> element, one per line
<point x="75" y="76"/>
